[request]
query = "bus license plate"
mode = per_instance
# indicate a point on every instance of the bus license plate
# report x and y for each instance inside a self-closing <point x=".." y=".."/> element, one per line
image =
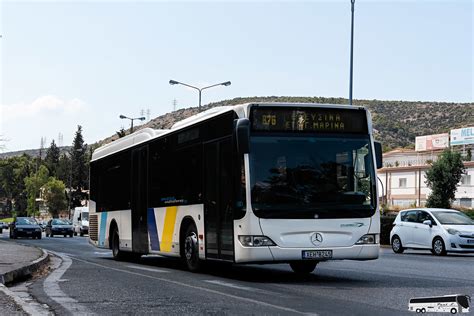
<point x="317" y="254"/>
<point x="470" y="241"/>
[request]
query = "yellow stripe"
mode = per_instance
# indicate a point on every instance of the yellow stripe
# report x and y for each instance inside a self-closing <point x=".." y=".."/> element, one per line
<point x="168" y="229"/>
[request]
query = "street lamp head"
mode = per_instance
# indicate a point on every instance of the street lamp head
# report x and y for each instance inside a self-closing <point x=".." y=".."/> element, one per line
<point x="227" y="83"/>
<point x="173" y="82"/>
<point x="141" y="118"/>
<point x="122" y="116"/>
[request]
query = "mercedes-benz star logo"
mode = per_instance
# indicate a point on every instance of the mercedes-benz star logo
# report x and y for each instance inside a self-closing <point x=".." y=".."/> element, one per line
<point x="316" y="239"/>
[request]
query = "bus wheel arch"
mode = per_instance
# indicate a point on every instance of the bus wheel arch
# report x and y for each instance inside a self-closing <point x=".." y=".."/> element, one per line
<point x="189" y="244"/>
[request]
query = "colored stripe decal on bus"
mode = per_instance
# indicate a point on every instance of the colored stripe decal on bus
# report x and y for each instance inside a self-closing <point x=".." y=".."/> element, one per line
<point x="153" y="230"/>
<point x="103" y="227"/>
<point x="168" y="228"/>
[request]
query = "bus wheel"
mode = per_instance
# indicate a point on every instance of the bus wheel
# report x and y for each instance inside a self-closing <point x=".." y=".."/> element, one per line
<point x="438" y="247"/>
<point x="454" y="311"/>
<point x="191" y="248"/>
<point x="117" y="254"/>
<point x="303" y="267"/>
<point x="423" y="310"/>
<point x="397" y="245"/>
<point x="418" y="310"/>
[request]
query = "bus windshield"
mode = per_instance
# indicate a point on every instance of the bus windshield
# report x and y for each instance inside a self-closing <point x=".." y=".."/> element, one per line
<point x="307" y="176"/>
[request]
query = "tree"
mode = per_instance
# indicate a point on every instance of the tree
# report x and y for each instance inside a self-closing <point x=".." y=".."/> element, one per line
<point x="78" y="161"/>
<point x="443" y="177"/>
<point x="63" y="170"/>
<point x="52" y="159"/>
<point x="79" y="169"/>
<point x="13" y="172"/>
<point x="54" y="195"/>
<point x="33" y="185"/>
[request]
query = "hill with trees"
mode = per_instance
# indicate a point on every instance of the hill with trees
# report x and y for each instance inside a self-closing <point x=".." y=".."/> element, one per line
<point x="396" y="123"/>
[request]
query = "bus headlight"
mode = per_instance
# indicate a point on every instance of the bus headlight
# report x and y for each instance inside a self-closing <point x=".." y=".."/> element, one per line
<point x="255" y="241"/>
<point x="367" y="239"/>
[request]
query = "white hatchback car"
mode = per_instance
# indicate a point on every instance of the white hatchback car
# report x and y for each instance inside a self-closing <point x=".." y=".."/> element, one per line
<point x="440" y="230"/>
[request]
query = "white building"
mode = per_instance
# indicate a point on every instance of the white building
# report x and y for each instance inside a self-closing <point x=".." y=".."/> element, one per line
<point x="403" y="179"/>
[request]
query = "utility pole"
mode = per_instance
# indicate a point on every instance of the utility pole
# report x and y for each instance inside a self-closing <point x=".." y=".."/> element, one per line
<point x="352" y="52"/>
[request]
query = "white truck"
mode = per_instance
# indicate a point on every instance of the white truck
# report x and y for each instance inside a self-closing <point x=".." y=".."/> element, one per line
<point x="80" y="221"/>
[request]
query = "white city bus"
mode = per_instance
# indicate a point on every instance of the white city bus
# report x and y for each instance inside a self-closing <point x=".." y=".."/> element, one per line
<point x="453" y="304"/>
<point x="252" y="183"/>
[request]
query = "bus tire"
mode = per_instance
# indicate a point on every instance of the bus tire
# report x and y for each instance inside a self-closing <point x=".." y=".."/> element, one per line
<point x="453" y="310"/>
<point x="116" y="252"/>
<point x="397" y="244"/>
<point x="438" y="247"/>
<point x="423" y="310"/>
<point x="191" y="248"/>
<point x="303" y="267"/>
<point x="418" y="310"/>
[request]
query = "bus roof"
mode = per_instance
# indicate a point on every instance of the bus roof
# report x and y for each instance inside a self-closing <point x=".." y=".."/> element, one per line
<point x="147" y="134"/>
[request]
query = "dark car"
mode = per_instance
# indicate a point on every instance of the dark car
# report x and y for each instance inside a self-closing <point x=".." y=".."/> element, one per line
<point x="58" y="227"/>
<point x="25" y="227"/>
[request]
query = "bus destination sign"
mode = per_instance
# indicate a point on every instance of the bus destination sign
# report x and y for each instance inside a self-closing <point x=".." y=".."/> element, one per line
<point x="316" y="120"/>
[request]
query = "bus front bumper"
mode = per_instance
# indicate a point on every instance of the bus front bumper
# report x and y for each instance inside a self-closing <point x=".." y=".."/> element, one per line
<point x="278" y="254"/>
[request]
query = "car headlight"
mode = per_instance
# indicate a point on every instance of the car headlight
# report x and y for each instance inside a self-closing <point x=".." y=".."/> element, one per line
<point x="38" y="229"/>
<point x="452" y="231"/>
<point x="368" y="239"/>
<point x="255" y="241"/>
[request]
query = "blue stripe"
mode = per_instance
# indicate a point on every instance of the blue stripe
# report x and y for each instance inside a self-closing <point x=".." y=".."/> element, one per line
<point x="153" y="230"/>
<point x="103" y="227"/>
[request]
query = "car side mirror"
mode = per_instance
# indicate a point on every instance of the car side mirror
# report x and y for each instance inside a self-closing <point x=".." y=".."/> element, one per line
<point x="428" y="222"/>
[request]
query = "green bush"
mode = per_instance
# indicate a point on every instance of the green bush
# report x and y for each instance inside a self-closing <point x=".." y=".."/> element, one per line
<point x="386" y="224"/>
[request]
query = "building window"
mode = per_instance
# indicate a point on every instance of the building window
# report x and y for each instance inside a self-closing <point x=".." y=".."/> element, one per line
<point x="466" y="179"/>
<point x="402" y="182"/>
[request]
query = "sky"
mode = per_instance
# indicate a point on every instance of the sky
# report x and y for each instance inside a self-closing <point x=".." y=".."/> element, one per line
<point x="66" y="63"/>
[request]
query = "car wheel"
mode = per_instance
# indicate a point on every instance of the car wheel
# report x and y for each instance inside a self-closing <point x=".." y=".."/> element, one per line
<point x="438" y="247"/>
<point x="70" y="235"/>
<point x="81" y="234"/>
<point x="39" y="237"/>
<point x="453" y="311"/>
<point x="303" y="267"/>
<point x="75" y="234"/>
<point x="397" y="245"/>
<point x="191" y="248"/>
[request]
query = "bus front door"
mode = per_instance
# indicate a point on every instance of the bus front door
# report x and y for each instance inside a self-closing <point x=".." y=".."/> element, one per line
<point x="218" y="208"/>
<point x="139" y="200"/>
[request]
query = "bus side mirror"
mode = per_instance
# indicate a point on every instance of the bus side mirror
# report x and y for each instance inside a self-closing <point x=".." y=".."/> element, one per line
<point x="242" y="133"/>
<point x="378" y="154"/>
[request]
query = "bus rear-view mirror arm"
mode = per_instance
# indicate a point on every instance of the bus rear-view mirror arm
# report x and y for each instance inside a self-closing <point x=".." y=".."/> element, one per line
<point x="242" y="133"/>
<point x="378" y="154"/>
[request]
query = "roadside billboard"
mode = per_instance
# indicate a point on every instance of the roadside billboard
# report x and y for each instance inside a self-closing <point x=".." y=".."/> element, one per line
<point x="432" y="142"/>
<point x="462" y="136"/>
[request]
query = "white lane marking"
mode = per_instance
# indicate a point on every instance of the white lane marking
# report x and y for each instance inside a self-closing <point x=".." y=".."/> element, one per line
<point x="240" y="287"/>
<point x="282" y="308"/>
<point x="52" y="289"/>
<point x="148" y="269"/>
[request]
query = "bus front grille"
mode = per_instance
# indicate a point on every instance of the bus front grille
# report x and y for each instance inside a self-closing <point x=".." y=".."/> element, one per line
<point x="93" y="228"/>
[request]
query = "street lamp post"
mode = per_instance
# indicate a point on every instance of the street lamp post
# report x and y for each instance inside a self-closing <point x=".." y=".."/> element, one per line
<point x="352" y="51"/>
<point x="142" y="118"/>
<point x="227" y="83"/>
